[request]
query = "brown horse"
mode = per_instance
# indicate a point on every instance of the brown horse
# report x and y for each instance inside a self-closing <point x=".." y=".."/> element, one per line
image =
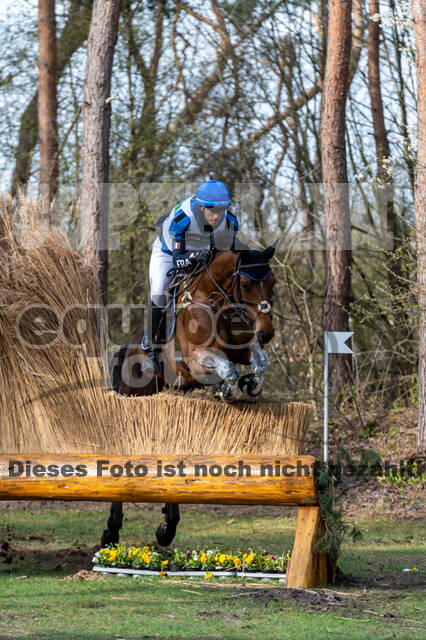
<point x="223" y="318"/>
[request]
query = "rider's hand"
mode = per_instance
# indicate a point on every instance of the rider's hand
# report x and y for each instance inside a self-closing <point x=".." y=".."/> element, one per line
<point x="204" y="256"/>
<point x="193" y="259"/>
<point x="188" y="261"/>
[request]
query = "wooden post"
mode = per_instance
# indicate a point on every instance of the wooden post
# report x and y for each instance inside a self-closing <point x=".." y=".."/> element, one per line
<point x="307" y="569"/>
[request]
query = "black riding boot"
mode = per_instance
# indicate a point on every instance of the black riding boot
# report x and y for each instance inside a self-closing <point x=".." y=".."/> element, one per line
<point x="156" y="334"/>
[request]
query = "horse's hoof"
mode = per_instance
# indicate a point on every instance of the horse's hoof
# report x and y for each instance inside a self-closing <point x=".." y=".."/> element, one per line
<point x="250" y="385"/>
<point x="109" y="537"/>
<point x="165" y="534"/>
<point x="224" y="391"/>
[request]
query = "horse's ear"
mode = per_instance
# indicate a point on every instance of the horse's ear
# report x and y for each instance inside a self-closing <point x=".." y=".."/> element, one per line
<point x="268" y="252"/>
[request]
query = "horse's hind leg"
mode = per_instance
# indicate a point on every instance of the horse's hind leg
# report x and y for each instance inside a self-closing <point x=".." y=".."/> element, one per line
<point x="167" y="530"/>
<point x="114" y="524"/>
<point x="115" y="367"/>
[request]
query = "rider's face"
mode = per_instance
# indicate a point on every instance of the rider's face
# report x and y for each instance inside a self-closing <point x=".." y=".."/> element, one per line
<point x="213" y="215"/>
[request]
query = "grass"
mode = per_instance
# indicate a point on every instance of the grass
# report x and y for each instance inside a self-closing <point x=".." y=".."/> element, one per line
<point x="40" y="600"/>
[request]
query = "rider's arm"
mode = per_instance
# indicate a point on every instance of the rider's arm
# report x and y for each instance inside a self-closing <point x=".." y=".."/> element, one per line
<point x="182" y="259"/>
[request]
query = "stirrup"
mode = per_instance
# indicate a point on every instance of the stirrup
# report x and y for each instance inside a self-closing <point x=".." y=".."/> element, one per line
<point x="145" y="345"/>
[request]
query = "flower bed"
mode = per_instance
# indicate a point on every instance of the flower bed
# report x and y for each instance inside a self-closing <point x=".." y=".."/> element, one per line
<point x="204" y="560"/>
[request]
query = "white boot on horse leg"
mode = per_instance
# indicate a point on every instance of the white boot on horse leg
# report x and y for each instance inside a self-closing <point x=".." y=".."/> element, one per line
<point x="218" y="364"/>
<point x="252" y="384"/>
<point x="259" y="360"/>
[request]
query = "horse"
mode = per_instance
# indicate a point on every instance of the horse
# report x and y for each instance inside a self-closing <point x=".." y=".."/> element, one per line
<point x="222" y="317"/>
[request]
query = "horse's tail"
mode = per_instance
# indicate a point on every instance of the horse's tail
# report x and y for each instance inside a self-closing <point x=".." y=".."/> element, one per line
<point x="116" y="366"/>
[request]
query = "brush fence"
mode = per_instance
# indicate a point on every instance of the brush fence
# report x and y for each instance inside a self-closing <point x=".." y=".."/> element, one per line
<point x="219" y="479"/>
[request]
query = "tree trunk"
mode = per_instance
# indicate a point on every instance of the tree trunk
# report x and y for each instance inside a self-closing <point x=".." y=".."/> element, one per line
<point x="419" y="17"/>
<point x="96" y="126"/>
<point x="72" y="37"/>
<point x="47" y="103"/>
<point x="397" y="282"/>
<point x="357" y="37"/>
<point x="335" y="181"/>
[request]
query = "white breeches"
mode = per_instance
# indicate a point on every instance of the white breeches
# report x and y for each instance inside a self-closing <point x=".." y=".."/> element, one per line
<point x="159" y="265"/>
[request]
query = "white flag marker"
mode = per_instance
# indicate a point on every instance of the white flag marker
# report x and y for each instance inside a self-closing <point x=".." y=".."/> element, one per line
<point x="334" y="342"/>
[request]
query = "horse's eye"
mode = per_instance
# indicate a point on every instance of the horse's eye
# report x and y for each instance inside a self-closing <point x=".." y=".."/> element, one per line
<point x="246" y="286"/>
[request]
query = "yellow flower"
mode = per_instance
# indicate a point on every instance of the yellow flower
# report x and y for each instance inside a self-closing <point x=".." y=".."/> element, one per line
<point x="162" y="573"/>
<point x="203" y="557"/>
<point x="208" y="575"/>
<point x="237" y="562"/>
<point x="113" y="555"/>
<point x="250" y="558"/>
<point x="222" y="558"/>
<point x="414" y="569"/>
<point x="164" y="563"/>
<point x="146" y="549"/>
<point x="146" y="558"/>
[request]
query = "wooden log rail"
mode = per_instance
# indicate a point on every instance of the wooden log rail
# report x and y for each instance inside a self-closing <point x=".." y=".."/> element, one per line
<point x="249" y="480"/>
<point x="286" y="480"/>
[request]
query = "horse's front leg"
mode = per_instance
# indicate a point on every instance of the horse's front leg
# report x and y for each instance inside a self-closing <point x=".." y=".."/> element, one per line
<point x="252" y="383"/>
<point x="259" y="361"/>
<point x="219" y="369"/>
<point x="167" y="530"/>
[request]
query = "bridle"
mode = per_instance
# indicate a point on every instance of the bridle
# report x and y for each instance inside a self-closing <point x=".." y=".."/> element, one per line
<point x="263" y="307"/>
<point x="233" y="296"/>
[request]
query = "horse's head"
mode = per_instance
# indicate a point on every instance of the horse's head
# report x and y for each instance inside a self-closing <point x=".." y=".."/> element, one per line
<point x="253" y="289"/>
<point x="248" y="283"/>
<point x="239" y="288"/>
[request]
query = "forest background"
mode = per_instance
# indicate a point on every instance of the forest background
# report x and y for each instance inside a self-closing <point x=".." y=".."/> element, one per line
<point x="280" y="100"/>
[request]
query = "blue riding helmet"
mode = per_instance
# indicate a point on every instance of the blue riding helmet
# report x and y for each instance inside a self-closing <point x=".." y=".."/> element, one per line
<point x="213" y="193"/>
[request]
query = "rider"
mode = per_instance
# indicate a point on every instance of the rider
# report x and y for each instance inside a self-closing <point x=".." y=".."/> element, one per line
<point x="189" y="235"/>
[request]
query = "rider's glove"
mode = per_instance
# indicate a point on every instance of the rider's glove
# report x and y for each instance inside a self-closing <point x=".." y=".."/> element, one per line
<point x="190" y="260"/>
<point x="186" y="261"/>
<point x="204" y="256"/>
